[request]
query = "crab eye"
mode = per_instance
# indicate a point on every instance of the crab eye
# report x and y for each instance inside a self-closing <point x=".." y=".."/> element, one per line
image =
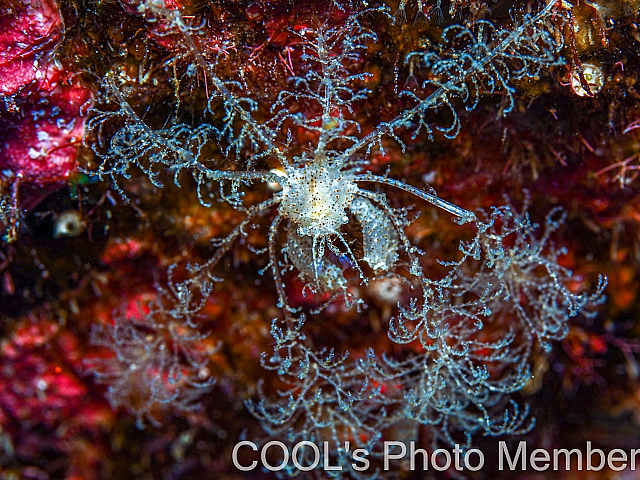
<point x="345" y="262"/>
<point x="319" y="269"/>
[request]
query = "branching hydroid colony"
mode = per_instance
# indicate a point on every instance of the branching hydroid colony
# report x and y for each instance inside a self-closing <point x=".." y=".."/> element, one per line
<point x="477" y="325"/>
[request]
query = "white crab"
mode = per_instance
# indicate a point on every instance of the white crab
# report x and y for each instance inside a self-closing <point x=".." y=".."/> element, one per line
<point x="321" y="189"/>
<point x="318" y="199"/>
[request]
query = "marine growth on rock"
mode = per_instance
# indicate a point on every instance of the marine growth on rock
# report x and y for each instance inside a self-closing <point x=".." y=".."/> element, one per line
<point x="333" y="223"/>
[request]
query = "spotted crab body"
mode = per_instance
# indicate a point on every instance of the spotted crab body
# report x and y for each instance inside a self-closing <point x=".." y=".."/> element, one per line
<point x="316" y="198"/>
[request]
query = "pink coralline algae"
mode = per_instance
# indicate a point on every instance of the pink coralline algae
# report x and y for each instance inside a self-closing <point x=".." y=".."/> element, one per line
<point x="42" y="145"/>
<point x="346" y="222"/>
<point x="44" y="404"/>
<point x="34" y="387"/>
<point x="46" y="104"/>
<point x="27" y="38"/>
